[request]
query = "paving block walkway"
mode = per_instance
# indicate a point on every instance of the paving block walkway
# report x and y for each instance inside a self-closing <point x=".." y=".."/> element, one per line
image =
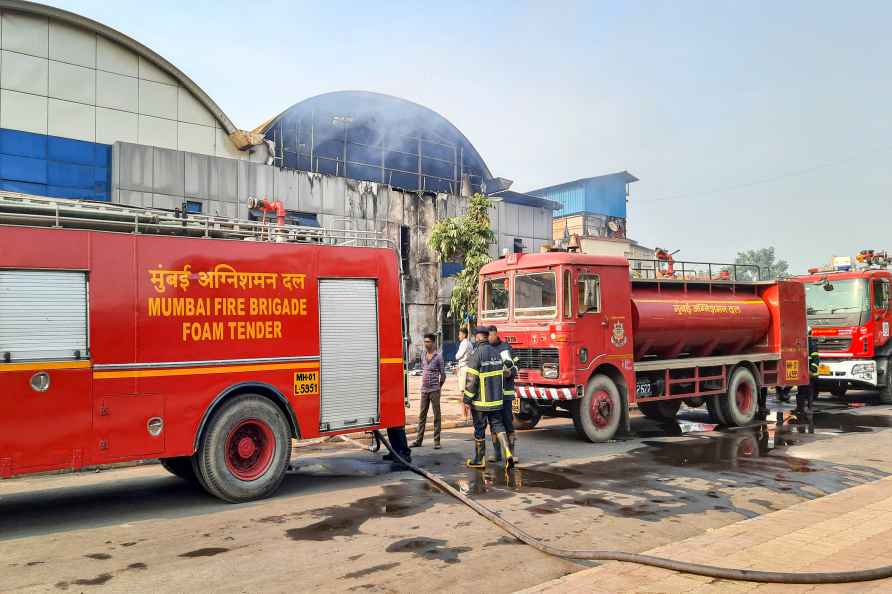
<point x="848" y="530"/>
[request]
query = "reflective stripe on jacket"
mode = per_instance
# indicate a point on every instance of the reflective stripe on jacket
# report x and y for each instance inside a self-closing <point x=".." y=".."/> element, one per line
<point x="484" y="383"/>
<point x="509" y="374"/>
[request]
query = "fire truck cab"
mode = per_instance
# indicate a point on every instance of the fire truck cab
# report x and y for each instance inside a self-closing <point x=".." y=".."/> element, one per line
<point x="848" y="308"/>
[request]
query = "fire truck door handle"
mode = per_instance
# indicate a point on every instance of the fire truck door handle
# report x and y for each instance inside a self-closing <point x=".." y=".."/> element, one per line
<point x="352" y="422"/>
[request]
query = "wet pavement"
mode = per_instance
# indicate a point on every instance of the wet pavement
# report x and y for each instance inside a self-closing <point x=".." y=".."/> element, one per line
<point x="344" y="521"/>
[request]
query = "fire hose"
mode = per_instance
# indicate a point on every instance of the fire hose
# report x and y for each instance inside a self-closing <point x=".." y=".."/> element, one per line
<point x="725" y="573"/>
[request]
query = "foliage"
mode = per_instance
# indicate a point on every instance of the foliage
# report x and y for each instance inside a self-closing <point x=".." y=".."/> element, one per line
<point x="766" y="260"/>
<point x="465" y="239"/>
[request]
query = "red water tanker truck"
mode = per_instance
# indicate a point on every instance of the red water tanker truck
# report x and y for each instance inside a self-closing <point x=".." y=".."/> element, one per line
<point x="597" y="334"/>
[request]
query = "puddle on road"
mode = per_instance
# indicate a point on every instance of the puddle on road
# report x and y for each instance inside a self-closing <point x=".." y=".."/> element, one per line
<point x="495" y="480"/>
<point x="397" y="501"/>
<point x="851" y="422"/>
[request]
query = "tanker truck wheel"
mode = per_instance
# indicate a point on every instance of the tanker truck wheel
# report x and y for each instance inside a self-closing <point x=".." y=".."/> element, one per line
<point x="245" y="450"/>
<point x="740" y="405"/>
<point x="660" y="410"/>
<point x="529" y="415"/>
<point x="596" y="415"/>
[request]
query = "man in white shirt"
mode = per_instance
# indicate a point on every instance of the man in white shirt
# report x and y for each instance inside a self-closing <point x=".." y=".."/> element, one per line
<point x="465" y="348"/>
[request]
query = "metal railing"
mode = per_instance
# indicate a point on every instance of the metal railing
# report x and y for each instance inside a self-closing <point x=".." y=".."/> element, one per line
<point x="28" y="210"/>
<point x="679" y="270"/>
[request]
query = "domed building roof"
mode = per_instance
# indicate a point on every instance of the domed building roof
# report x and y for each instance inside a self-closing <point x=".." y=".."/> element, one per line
<point x="376" y="137"/>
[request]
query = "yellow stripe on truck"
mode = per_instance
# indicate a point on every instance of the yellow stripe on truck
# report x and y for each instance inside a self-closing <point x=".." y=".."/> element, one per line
<point x="201" y="370"/>
<point x="45" y="366"/>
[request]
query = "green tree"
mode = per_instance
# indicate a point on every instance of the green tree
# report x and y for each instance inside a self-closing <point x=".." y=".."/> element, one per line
<point x="465" y="239"/>
<point x="765" y="259"/>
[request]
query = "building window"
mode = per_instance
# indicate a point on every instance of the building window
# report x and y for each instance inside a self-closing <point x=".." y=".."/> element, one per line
<point x="404" y="248"/>
<point x="518" y="245"/>
<point x="193" y="207"/>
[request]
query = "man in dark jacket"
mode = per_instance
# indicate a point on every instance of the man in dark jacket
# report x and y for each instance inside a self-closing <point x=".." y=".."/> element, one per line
<point x="484" y="393"/>
<point x="509" y="373"/>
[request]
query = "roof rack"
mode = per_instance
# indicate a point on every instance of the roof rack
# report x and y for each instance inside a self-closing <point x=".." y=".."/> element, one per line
<point x="40" y="211"/>
<point x="682" y="271"/>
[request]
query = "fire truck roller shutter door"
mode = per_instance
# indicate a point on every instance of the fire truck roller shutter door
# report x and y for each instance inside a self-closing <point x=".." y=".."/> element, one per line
<point x="349" y="359"/>
<point x="43" y="314"/>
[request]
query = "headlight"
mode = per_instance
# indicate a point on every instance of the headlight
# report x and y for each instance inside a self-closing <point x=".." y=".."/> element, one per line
<point x="550" y="370"/>
<point x="864" y="370"/>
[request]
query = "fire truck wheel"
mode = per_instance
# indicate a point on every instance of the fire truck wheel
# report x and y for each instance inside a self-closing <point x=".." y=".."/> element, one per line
<point x="660" y="410"/>
<point x="713" y="405"/>
<point x="783" y="393"/>
<point x="740" y="405"/>
<point x="839" y="390"/>
<point x="180" y="467"/>
<point x="245" y="450"/>
<point x="885" y="392"/>
<point x="529" y="415"/>
<point x="596" y="415"/>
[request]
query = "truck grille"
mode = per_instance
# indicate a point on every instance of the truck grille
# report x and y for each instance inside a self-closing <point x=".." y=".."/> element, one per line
<point x="534" y="358"/>
<point x="833" y="343"/>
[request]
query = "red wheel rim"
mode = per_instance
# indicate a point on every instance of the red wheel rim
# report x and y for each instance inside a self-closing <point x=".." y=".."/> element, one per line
<point x="744" y="397"/>
<point x="601" y="409"/>
<point x="249" y="449"/>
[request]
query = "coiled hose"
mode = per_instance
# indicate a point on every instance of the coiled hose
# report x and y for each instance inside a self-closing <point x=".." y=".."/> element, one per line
<point x="725" y="573"/>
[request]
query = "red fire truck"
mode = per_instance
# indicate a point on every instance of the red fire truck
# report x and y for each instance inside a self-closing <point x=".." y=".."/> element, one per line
<point x="849" y="315"/>
<point x="206" y="342"/>
<point x="594" y="335"/>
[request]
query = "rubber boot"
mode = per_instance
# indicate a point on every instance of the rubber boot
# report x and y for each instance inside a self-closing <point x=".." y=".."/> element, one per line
<point x="506" y="450"/>
<point x="512" y="443"/>
<point x="496" y="457"/>
<point x="479" y="460"/>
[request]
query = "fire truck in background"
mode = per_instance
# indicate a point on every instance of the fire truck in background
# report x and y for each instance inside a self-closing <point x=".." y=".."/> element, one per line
<point x="848" y="307"/>
<point x="207" y="342"/>
<point x="596" y="334"/>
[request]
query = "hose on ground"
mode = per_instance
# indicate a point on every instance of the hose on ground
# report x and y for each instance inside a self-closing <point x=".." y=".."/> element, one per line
<point x="724" y="573"/>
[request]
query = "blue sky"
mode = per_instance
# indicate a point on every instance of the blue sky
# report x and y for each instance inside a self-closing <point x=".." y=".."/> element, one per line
<point x="749" y="123"/>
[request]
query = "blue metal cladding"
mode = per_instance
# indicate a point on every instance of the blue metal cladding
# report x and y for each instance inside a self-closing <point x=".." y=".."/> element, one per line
<point x="605" y="195"/>
<point x="54" y="166"/>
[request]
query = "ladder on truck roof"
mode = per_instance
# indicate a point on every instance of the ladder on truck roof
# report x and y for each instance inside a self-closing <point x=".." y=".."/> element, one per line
<point x="680" y="271"/>
<point x="40" y="211"/>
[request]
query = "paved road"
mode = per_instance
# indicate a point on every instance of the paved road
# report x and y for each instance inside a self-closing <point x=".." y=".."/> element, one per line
<point x="344" y="522"/>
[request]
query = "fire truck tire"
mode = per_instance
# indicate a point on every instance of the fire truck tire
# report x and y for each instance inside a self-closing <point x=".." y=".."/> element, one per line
<point x="713" y="405"/>
<point x="783" y="393"/>
<point x="885" y="393"/>
<point x="839" y="390"/>
<point x="245" y="450"/>
<point x="180" y="467"/>
<point x="739" y="407"/>
<point x="597" y="415"/>
<point x="660" y="410"/>
<point x="529" y="416"/>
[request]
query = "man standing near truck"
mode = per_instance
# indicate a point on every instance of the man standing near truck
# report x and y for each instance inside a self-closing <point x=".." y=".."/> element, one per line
<point x="509" y="373"/>
<point x="484" y="394"/>
<point x="432" y="377"/>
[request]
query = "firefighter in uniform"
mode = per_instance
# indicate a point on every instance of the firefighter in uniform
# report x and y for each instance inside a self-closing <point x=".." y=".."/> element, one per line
<point x="805" y="395"/>
<point x="509" y="373"/>
<point x="483" y="393"/>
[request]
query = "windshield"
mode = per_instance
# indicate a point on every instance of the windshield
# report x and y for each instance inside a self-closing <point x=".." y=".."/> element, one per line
<point x="535" y="295"/>
<point x="495" y="298"/>
<point x="848" y="299"/>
